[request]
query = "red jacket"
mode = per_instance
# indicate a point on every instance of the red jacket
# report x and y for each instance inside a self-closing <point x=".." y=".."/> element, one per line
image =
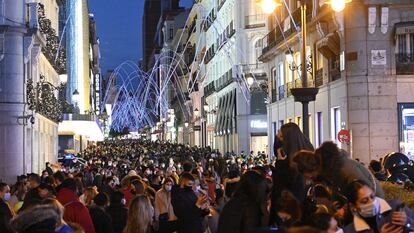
<point x="127" y="195"/>
<point x="75" y="211"/>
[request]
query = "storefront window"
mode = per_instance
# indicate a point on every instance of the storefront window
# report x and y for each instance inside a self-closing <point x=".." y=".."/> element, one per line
<point x="406" y="119"/>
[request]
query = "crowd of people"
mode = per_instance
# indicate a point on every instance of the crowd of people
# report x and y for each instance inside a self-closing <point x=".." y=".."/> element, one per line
<point x="138" y="186"/>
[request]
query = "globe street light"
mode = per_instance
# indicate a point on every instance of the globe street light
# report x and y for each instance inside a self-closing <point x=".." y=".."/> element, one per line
<point x="250" y="80"/>
<point x="338" y="5"/>
<point x="268" y="6"/>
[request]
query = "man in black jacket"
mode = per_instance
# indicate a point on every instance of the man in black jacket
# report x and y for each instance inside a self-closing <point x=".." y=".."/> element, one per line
<point x="5" y="212"/>
<point x="117" y="211"/>
<point x="189" y="209"/>
<point x="100" y="218"/>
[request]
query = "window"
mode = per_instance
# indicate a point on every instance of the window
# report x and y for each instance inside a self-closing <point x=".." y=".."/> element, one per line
<point x="406" y="129"/>
<point x="171" y="32"/>
<point x="336" y="124"/>
<point x="319" y="129"/>
<point x="281" y="74"/>
<point x="258" y="49"/>
<point x="405" y="53"/>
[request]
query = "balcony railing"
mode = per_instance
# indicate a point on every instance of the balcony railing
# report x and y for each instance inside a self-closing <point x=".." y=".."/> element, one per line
<point x="254" y="21"/>
<point x="258" y="69"/>
<point x="79" y="117"/>
<point x="275" y="36"/>
<point x="224" y="80"/>
<point x="209" y="89"/>
<point x="404" y="63"/>
<point x="289" y="86"/>
<point x="335" y="74"/>
<point x="274" y="95"/>
<point x="319" y="78"/>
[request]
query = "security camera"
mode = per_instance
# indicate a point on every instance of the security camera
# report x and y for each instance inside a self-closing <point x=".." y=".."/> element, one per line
<point x="32" y="120"/>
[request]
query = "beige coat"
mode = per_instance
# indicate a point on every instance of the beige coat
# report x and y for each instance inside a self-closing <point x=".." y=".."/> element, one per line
<point x="163" y="205"/>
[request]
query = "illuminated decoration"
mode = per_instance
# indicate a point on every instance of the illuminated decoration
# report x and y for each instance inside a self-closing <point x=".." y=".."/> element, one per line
<point x="140" y="98"/>
<point x="42" y="99"/>
<point x="256" y="124"/>
<point x="51" y="50"/>
<point x="250" y="80"/>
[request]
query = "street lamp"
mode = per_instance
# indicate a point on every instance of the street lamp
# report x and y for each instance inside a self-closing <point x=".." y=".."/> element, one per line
<point x="338" y="5"/>
<point x="196" y="112"/>
<point x="304" y="94"/>
<point x="268" y="6"/>
<point x="186" y="124"/>
<point x="250" y="80"/>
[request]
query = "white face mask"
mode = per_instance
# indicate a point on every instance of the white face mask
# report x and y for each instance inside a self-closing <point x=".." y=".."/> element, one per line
<point x="370" y="210"/>
<point x="339" y="230"/>
<point x="7" y="196"/>
<point x="168" y="188"/>
<point x="123" y="201"/>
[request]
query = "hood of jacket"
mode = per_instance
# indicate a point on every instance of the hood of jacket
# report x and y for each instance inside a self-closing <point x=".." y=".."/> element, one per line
<point x="41" y="215"/>
<point x="66" y="196"/>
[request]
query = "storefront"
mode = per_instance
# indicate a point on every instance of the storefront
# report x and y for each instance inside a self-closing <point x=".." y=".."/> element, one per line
<point x="258" y="134"/>
<point x="406" y="129"/>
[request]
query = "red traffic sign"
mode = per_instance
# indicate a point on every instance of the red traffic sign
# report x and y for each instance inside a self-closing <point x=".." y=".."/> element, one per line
<point x="344" y="136"/>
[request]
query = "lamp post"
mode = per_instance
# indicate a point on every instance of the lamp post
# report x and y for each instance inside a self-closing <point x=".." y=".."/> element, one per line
<point x="303" y="94"/>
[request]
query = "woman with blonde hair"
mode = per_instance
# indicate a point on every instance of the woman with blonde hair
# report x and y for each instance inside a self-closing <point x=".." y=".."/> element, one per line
<point x="140" y="215"/>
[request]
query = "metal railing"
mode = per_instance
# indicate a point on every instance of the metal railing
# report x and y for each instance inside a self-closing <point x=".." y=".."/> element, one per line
<point x="404" y="63"/>
<point x="254" y="21"/>
<point x="319" y="78"/>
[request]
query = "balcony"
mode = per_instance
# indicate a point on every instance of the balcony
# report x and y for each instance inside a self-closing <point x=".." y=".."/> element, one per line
<point x="220" y="4"/>
<point x="275" y="36"/>
<point x="224" y="80"/>
<point x="79" y="117"/>
<point x="254" y="21"/>
<point x="274" y="95"/>
<point x="404" y="64"/>
<point x="258" y="70"/>
<point x="209" y="89"/>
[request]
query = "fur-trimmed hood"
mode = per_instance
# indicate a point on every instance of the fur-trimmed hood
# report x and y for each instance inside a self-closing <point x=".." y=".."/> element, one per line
<point x="32" y="217"/>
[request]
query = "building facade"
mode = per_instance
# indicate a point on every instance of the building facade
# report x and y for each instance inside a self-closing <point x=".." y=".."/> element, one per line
<point x="361" y="60"/>
<point x="30" y="64"/>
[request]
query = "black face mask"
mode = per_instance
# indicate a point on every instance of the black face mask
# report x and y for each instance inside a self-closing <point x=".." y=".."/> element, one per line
<point x="188" y="188"/>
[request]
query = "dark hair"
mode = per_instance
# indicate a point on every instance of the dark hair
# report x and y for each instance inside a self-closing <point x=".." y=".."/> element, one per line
<point x="35" y="177"/>
<point x="116" y="197"/>
<point x="306" y="161"/>
<point x="139" y="186"/>
<point x="70" y="184"/>
<point x="252" y="185"/>
<point x="187" y="166"/>
<point x="353" y="189"/>
<point x="287" y="203"/>
<point x="321" y="221"/>
<point x="48" y="187"/>
<point x="101" y="199"/>
<point x="2" y="186"/>
<point x="59" y="176"/>
<point x="294" y="140"/>
<point x="187" y="176"/>
<point x="375" y="165"/>
<point x="329" y="157"/>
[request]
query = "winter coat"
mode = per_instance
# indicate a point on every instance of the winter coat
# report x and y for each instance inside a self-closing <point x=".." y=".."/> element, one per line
<point x="240" y="215"/>
<point x="37" y="220"/>
<point x="75" y="211"/>
<point x="347" y="170"/>
<point x="119" y="217"/>
<point x="190" y="217"/>
<point x="5" y="216"/>
<point x="163" y="205"/>
<point x="101" y="220"/>
<point x="359" y="225"/>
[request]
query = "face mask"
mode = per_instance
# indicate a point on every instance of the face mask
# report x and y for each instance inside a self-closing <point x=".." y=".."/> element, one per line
<point x="168" y="188"/>
<point x="188" y="188"/>
<point x="339" y="230"/>
<point x="198" y="188"/>
<point x="370" y="210"/>
<point x="123" y="201"/>
<point x="7" y="196"/>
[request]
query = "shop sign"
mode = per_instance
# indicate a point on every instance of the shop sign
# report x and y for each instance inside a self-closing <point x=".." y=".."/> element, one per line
<point x="197" y="128"/>
<point x="256" y="124"/>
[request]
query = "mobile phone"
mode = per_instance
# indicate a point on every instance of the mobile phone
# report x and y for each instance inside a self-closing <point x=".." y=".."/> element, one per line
<point x="400" y="207"/>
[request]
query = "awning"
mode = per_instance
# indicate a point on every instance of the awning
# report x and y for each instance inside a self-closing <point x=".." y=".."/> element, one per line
<point x="329" y="46"/>
<point x="87" y="129"/>
<point x="404" y="28"/>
